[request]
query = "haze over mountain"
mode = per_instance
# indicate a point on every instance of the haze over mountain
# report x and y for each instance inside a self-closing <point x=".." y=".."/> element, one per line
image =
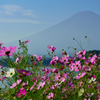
<point x="85" y="23"/>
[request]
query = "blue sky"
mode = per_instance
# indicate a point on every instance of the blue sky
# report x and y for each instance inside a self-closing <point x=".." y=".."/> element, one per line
<point x="21" y="18"/>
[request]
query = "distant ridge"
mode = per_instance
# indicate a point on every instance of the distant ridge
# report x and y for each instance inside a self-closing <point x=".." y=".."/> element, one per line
<point x="85" y="23"/>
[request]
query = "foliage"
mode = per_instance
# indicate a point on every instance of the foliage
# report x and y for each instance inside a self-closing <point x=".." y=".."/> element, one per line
<point x="70" y="78"/>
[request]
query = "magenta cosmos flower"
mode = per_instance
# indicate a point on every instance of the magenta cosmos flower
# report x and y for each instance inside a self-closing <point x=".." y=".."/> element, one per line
<point x="27" y="73"/>
<point x="21" y="93"/>
<point x="26" y="41"/>
<point x="50" y="47"/>
<point x="7" y="51"/>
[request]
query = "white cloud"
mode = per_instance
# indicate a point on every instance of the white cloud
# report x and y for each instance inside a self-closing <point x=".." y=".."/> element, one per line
<point x="14" y="20"/>
<point x="29" y="13"/>
<point x="9" y="9"/>
<point x="12" y="11"/>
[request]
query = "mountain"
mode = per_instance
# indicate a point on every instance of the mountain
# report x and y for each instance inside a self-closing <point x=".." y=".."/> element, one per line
<point x="85" y="23"/>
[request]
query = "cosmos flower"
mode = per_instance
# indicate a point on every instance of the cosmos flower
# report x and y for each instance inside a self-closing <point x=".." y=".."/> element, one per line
<point x="0" y="66"/>
<point x="19" y="58"/>
<point x="21" y="93"/>
<point x="92" y="79"/>
<point x="13" y="85"/>
<point x="41" y="84"/>
<point x="34" y="55"/>
<point x="81" y="92"/>
<point x="81" y="54"/>
<point x="1" y="43"/>
<point x="50" y="47"/>
<point x="54" y="86"/>
<point x="51" y="95"/>
<point x="27" y="73"/>
<point x="39" y="58"/>
<point x="80" y="75"/>
<point x="26" y="41"/>
<point x="7" y="51"/>
<point x="10" y="73"/>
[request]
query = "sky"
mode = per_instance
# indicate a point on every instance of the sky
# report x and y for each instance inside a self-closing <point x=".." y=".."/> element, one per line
<point x="22" y="18"/>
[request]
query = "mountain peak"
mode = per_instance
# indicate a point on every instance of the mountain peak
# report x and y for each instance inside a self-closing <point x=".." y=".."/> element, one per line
<point x="86" y="13"/>
<point x="85" y="23"/>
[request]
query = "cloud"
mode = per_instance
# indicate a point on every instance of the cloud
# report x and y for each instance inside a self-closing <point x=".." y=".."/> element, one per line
<point x="9" y="9"/>
<point x="13" y="9"/>
<point x="29" y="13"/>
<point x="16" y="14"/>
<point x="14" y="20"/>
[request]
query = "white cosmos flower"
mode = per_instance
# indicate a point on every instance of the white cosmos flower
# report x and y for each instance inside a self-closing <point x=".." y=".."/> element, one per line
<point x="10" y="73"/>
<point x="91" y="95"/>
<point x="91" y="80"/>
<point x="81" y="92"/>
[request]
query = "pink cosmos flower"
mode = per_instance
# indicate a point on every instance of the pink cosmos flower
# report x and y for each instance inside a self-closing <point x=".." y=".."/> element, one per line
<point x="1" y="78"/>
<point x="63" y="78"/>
<point x="57" y="77"/>
<point x="47" y="71"/>
<point x="1" y="43"/>
<point x="71" y="66"/>
<point x="7" y="51"/>
<point x="13" y="85"/>
<point x="39" y="58"/>
<point x="41" y="84"/>
<point x="18" y="81"/>
<point x="63" y="60"/>
<point x="34" y="55"/>
<point x="55" y="58"/>
<point x="55" y="70"/>
<point x="52" y="62"/>
<point x="86" y="68"/>
<point x="50" y="47"/>
<point x="23" y="84"/>
<point x="19" y="58"/>
<point x="87" y="99"/>
<point x="75" y="66"/>
<point x="54" y="86"/>
<point x="21" y="93"/>
<point x="33" y="85"/>
<point x="50" y="96"/>
<point x="81" y="54"/>
<point x="16" y="61"/>
<point x="80" y="75"/>
<point x="26" y="41"/>
<point x="34" y="63"/>
<point x="93" y="59"/>
<point x="0" y="66"/>
<point x="64" y="54"/>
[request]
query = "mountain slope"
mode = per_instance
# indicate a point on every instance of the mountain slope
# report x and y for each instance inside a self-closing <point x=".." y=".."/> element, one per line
<point x="85" y="23"/>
